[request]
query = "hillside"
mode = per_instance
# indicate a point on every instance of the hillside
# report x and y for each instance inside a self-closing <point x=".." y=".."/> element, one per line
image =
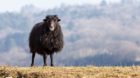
<point x="98" y="35"/>
<point x="70" y="72"/>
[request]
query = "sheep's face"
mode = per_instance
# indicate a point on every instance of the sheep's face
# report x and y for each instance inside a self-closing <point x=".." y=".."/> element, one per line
<point x="51" y="21"/>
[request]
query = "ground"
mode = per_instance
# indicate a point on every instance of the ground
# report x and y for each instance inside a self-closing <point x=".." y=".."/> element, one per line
<point x="70" y="72"/>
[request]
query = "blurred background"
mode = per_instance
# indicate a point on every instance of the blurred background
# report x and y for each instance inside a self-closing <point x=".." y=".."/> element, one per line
<point x="96" y="32"/>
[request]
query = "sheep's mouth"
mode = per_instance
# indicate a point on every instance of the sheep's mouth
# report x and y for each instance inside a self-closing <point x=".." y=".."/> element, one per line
<point x="51" y="28"/>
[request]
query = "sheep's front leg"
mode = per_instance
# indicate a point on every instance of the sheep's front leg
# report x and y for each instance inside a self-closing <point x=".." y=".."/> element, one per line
<point x="51" y="57"/>
<point x="44" y="58"/>
<point x="33" y="56"/>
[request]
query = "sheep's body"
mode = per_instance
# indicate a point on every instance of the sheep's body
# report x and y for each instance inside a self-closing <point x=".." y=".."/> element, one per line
<point x="41" y="41"/>
<point x="45" y="42"/>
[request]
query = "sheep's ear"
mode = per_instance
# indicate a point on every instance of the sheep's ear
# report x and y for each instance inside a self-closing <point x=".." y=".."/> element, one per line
<point x="44" y="20"/>
<point x="47" y="17"/>
<point x="59" y="19"/>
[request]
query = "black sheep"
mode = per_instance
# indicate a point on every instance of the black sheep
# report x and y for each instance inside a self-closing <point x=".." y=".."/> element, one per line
<point x="46" y="38"/>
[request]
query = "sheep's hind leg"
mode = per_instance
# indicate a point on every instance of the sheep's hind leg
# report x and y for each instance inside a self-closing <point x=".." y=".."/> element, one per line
<point x="44" y="58"/>
<point x="51" y="57"/>
<point x="33" y="56"/>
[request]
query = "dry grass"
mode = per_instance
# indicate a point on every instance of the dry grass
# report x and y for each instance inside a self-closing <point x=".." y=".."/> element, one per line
<point x="70" y="72"/>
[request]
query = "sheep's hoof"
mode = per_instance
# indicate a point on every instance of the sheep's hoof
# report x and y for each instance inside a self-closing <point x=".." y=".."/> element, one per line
<point x="45" y="65"/>
<point x="52" y="65"/>
<point x="32" y="65"/>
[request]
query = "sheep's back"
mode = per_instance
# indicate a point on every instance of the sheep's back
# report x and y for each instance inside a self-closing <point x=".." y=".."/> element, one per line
<point x="34" y="38"/>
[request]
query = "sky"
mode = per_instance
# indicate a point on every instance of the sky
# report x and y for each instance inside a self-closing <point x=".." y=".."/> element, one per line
<point x="15" y="5"/>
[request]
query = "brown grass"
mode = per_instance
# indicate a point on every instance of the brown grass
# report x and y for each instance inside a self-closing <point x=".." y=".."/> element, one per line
<point x="70" y="72"/>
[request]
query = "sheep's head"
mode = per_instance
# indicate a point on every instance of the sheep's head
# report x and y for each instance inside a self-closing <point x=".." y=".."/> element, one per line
<point x="51" y="22"/>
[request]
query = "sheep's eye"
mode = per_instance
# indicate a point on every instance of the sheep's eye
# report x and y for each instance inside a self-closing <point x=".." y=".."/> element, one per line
<point x="48" y="21"/>
<point x="55" y="19"/>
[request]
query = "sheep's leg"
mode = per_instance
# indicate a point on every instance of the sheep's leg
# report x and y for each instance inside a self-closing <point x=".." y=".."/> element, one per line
<point x="44" y="58"/>
<point x="33" y="56"/>
<point x="51" y="57"/>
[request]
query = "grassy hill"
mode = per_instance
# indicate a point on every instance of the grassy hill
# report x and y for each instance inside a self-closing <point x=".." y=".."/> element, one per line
<point x="70" y="72"/>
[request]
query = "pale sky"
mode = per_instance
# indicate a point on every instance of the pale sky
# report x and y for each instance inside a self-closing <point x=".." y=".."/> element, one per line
<point x="15" y="5"/>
